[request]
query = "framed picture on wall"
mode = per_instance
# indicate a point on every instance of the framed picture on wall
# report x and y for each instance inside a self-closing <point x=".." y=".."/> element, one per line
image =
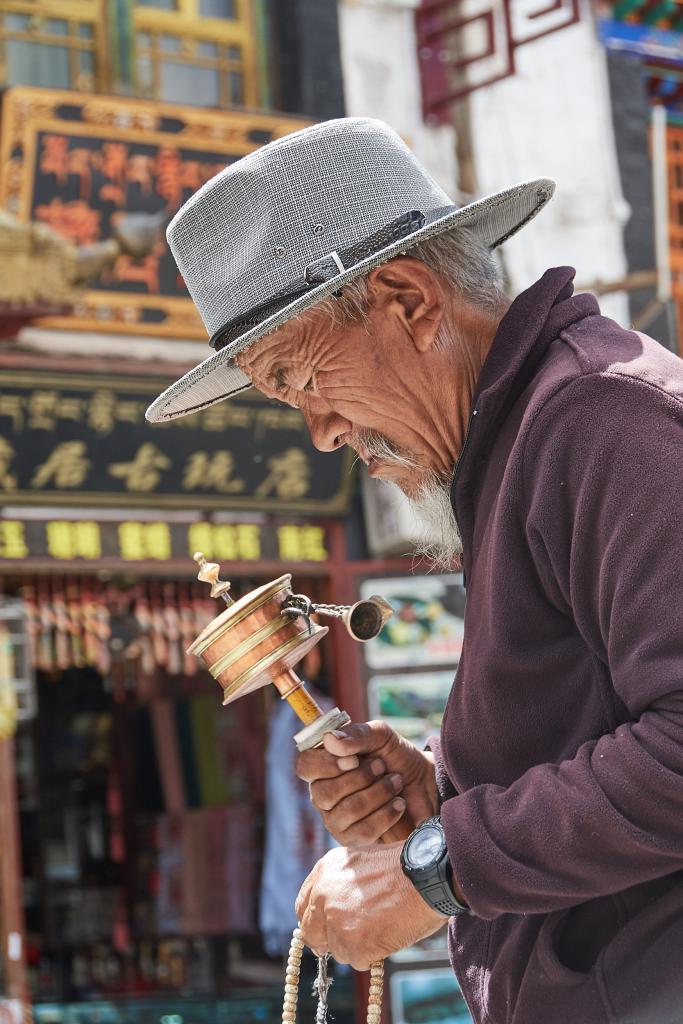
<point x="427" y="625"/>
<point x="413" y="703"/>
<point x="429" y="995"/>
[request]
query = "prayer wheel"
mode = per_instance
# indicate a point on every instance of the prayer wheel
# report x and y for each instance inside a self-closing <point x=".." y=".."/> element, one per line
<point x="259" y="639"/>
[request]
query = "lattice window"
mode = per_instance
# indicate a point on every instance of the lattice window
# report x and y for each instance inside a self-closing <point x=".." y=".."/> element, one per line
<point x="52" y="43"/>
<point x="464" y="45"/>
<point x="674" y="148"/>
<point x="196" y="51"/>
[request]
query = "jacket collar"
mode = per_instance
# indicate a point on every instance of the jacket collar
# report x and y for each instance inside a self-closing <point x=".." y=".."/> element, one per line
<point x="531" y="324"/>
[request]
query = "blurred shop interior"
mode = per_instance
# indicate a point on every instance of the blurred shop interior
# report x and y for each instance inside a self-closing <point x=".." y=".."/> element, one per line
<point x="153" y="841"/>
<point x="142" y="803"/>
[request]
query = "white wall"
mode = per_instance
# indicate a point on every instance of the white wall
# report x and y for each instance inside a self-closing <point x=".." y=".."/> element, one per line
<point x="553" y="118"/>
<point x="379" y="63"/>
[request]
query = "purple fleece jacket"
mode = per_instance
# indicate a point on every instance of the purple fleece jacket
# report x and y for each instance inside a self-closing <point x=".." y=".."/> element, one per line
<point x="560" y="761"/>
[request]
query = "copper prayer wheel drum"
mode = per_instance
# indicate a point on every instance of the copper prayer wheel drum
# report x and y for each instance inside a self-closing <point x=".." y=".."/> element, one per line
<point x="253" y="641"/>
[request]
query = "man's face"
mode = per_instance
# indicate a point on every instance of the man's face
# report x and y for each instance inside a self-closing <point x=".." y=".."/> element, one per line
<point x="355" y="385"/>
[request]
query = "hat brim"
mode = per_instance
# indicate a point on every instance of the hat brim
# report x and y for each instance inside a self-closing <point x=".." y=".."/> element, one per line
<point x="493" y="219"/>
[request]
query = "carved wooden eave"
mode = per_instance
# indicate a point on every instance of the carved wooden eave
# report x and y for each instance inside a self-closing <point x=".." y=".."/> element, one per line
<point x="14" y="316"/>
<point x="38" y="268"/>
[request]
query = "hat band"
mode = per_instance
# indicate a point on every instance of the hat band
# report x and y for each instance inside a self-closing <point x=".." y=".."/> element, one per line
<point x="325" y="269"/>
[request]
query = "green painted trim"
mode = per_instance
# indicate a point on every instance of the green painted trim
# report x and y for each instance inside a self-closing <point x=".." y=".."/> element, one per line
<point x="261" y="36"/>
<point x="121" y="43"/>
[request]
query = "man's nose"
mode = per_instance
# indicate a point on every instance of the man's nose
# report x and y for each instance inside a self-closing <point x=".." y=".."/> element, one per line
<point x="326" y="427"/>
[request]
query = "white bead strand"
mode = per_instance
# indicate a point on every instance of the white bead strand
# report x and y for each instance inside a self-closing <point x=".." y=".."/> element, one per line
<point x="322" y="984"/>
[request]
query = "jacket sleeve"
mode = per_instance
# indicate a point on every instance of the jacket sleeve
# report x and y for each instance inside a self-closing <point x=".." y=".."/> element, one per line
<point x="444" y="786"/>
<point x="603" y="468"/>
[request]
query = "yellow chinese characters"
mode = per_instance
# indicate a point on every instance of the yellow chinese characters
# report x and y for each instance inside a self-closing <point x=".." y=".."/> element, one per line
<point x="203" y="471"/>
<point x="67" y="466"/>
<point x="143" y="473"/>
<point x="12" y="406"/>
<point x="42" y="410"/>
<point x="8" y="481"/>
<point x="226" y="542"/>
<point x="106" y="409"/>
<point x="12" y="539"/>
<point x="67" y="539"/>
<point x="301" y="543"/>
<point x="289" y="476"/>
<point x="139" y="541"/>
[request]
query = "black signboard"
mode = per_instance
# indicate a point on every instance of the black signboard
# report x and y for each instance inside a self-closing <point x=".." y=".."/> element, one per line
<point x="83" y="440"/>
<point x="81" y="183"/>
<point x="78" y="162"/>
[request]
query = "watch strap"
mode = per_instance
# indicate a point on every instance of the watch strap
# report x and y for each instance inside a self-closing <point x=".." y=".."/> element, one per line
<point x="434" y="885"/>
<point x="438" y="893"/>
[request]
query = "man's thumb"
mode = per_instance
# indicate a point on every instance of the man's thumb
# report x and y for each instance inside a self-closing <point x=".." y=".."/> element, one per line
<point x="359" y="738"/>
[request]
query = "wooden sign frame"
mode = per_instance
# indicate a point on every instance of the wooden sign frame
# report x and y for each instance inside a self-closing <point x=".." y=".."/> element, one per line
<point x="212" y="138"/>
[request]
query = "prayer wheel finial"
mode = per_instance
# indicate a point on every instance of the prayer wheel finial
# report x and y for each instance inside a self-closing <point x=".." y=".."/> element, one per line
<point x="208" y="573"/>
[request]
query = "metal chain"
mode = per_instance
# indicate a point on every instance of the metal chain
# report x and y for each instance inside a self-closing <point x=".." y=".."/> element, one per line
<point x="299" y="604"/>
<point x="322" y="985"/>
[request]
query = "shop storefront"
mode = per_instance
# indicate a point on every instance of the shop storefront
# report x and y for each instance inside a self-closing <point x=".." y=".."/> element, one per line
<point x="141" y="801"/>
<point x="134" y="806"/>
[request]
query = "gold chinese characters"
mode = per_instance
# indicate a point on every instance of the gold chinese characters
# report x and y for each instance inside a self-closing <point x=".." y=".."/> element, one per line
<point x="135" y="541"/>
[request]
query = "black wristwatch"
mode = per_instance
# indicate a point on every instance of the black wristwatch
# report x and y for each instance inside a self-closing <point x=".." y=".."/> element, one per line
<point x="424" y="860"/>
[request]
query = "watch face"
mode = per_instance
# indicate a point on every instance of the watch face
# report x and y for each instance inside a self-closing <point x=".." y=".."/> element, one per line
<point x="426" y="847"/>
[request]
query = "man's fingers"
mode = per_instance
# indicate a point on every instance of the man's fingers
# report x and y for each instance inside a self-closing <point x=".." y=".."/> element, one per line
<point x="319" y="764"/>
<point x="359" y="807"/>
<point x="327" y="793"/>
<point x="314" y="929"/>
<point x="304" y="896"/>
<point x="341" y="749"/>
<point x="369" y="829"/>
<point x="358" y="738"/>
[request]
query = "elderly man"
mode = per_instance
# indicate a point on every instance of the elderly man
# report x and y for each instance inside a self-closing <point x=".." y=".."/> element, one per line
<point x="542" y="442"/>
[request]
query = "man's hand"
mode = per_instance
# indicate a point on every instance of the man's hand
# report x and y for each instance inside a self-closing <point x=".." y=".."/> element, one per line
<point x="363" y="780"/>
<point x="359" y="906"/>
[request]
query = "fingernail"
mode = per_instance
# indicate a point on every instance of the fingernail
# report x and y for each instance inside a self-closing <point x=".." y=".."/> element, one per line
<point x="397" y="782"/>
<point x="347" y="764"/>
<point x="399" y="805"/>
<point x="338" y="734"/>
<point x="377" y="766"/>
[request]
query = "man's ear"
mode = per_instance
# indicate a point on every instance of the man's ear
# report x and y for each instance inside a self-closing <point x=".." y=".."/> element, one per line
<point x="407" y="289"/>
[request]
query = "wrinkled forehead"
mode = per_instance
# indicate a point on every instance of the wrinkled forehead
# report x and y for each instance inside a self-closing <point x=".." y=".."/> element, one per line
<point x="272" y="350"/>
<point x="294" y="344"/>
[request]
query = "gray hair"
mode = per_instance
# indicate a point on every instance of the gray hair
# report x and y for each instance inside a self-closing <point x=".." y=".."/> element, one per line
<point x="464" y="262"/>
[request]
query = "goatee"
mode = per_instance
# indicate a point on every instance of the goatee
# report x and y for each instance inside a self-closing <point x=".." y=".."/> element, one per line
<point x="436" y="535"/>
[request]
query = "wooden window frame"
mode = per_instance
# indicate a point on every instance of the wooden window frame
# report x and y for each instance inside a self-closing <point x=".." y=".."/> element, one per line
<point x="74" y="12"/>
<point x="191" y="27"/>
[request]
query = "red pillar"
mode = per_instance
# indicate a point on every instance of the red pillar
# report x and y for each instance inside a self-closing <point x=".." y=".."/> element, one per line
<point x="12" y="928"/>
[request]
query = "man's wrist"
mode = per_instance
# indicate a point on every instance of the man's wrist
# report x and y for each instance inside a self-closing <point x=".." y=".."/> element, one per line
<point x="432" y="788"/>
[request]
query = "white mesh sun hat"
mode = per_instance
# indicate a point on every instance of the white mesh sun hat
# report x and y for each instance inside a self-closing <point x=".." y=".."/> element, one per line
<point x="293" y="222"/>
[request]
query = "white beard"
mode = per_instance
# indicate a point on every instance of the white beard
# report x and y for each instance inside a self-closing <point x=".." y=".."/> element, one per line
<point x="437" y="536"/>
